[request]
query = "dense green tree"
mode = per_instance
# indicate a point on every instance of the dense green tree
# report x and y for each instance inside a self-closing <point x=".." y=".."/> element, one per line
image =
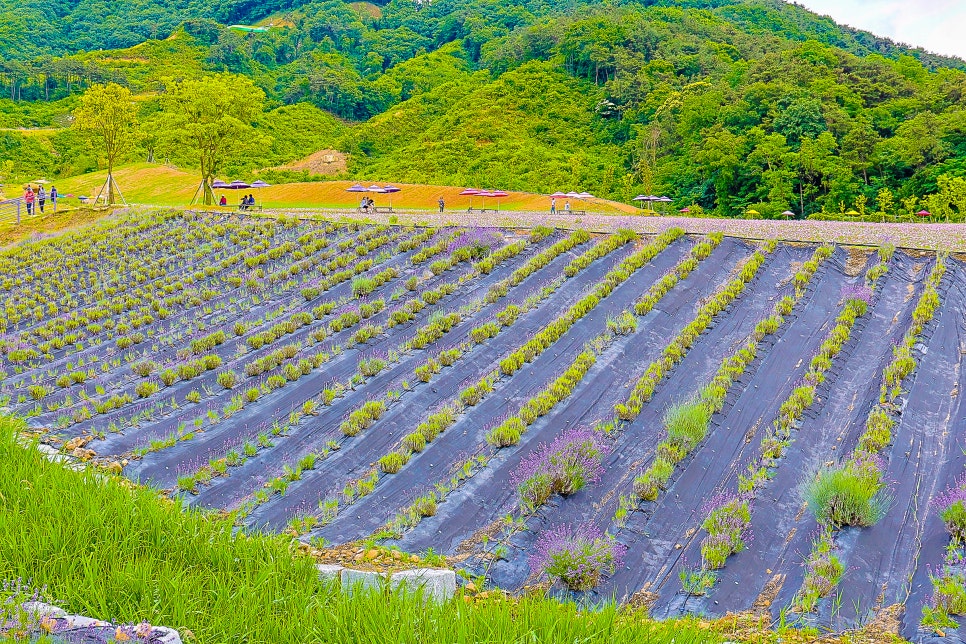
<point x="210" y="120"/>
<point x="107" y="115"/>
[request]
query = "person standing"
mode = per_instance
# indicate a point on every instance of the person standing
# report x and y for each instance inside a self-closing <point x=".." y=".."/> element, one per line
<point x="553" y="205"/>
<point x="442" y="204"/>
<point x="28" y="198"/>
<point x="53" y="197"/>
<point x="567" y="206"/>
<point x="41" y="198"/>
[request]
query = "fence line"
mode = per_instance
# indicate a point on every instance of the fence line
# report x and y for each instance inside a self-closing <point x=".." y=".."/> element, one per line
<point x="11" y="209"/>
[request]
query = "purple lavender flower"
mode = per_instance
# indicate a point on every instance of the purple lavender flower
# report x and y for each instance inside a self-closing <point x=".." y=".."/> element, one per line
<point x="578" y="557"/>
<point x="858" y="292"/>
<point x="479" y="241"/>
<point x="562" y="467"/>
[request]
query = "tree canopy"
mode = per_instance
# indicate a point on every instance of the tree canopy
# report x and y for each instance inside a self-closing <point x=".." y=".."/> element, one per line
<point x="732" y="105"/>
<point x="210" y="121"/>
<point x="107" y="114"/>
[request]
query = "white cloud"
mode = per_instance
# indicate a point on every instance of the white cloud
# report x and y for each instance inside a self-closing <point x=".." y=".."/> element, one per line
<point x="934" y="25"/>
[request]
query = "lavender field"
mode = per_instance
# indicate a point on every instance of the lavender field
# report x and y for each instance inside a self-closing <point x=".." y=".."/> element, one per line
<point x="697" y="423"/>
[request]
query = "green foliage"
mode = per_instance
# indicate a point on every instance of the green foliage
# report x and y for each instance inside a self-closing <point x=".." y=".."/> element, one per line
<point x="823" y="572"/>
<point x="850" y="494"/>
<point x="767" y="107"/>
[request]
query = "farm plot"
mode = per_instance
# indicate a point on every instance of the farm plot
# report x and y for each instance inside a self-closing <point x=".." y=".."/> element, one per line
<point x="695" y="423"/>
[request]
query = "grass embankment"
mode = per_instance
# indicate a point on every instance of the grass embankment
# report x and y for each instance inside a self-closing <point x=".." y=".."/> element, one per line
<point x="149" y="183"/>
<point x="49" y="223"/>
<point x="118" y="552"/>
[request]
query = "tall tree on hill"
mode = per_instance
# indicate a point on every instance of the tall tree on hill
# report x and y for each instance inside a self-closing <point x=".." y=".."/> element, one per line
<point x="108" y="115"/>
<point x="209" y="120"/>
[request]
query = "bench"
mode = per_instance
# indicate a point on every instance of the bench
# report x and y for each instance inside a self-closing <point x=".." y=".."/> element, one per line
<point x="250" y="208"/>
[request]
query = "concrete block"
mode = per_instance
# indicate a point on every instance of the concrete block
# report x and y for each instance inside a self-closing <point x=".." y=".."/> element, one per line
<point x="329" y="572"/>
<point x="362" y="580"/>
<point x="437" y="585"/>
<point x="40" y="609"/>
<point x="165" y="635"/>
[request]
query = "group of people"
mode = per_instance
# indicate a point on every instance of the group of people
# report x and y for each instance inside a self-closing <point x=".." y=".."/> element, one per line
<point x="40" y="198"/>
<point x="553" y="206"/>
<point x="367" y="205"/>
<point x="247" y="201"/>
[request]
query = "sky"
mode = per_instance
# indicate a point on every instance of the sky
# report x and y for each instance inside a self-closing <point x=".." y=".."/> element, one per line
<point x="934" y="25"/>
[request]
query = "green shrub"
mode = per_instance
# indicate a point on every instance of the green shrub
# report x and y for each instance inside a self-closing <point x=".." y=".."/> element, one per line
<point x="726" y="526"/>
<point x="823" y="572"/>
<point x="509" y="315"/>
<point x="362" y="286"/>
<point x="414" y="442"/>
<point x="850" y="494"/>
<point x="623" y="324"/>
<point x="369" y="367"/>
<point x="449" y="357"/>
<point x="144" y="368"/>
<point x="687" y="423"/>
<point x="392" y="462"/>
<point x="954" y="516"/>
<point x="507" y="433"/>
<point x="227" y="379"/>
<point x="146" y="388"/>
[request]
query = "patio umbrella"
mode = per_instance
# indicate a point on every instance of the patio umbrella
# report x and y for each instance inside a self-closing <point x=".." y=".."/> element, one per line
<point x="238" y="184"/>
<point x="559" y="195"/>
<point x="356" y="188"/>
<point x="753" y="213"/>
<point x="390" y="189"/>
<point x="470" y="192"/>
<point x="218" y="184"/>
<point x="260" y="184"/>
<point x="499" y="194"/>
<point x="923" y="213"/>
<point x="642" y="199"/>
<point x="375" y="189"/>
<point x="685" y="210"/>
<point x="788" y="213"/>
<point x="483" y="194"/>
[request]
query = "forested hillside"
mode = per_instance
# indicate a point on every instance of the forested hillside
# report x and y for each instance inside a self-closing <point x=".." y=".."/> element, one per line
<point x="729" y="105"/>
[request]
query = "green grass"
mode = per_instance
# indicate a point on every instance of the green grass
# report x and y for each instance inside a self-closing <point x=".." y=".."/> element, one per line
<point x="687" y="423"/>
<point x="850" y="494"/>
<point x="113" y="551"/>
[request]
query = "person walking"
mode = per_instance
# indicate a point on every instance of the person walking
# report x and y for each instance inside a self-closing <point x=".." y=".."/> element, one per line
<point x="53" y="197"/>
<point x="442" y="204"/>
<point x="41" y="198"/>
<point x="28" y="198"/>
<point x="553" y="205"/>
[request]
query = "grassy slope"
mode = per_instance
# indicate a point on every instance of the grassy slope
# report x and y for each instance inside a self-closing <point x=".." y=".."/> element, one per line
<point x="531" y="127"/>
<point x="113" y="552"/>
<point x="163" y="186"/>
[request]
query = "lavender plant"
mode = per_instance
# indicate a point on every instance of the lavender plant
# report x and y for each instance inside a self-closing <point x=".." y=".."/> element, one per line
<point x="576" y="557"/>
<point x="562" y="467"/>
